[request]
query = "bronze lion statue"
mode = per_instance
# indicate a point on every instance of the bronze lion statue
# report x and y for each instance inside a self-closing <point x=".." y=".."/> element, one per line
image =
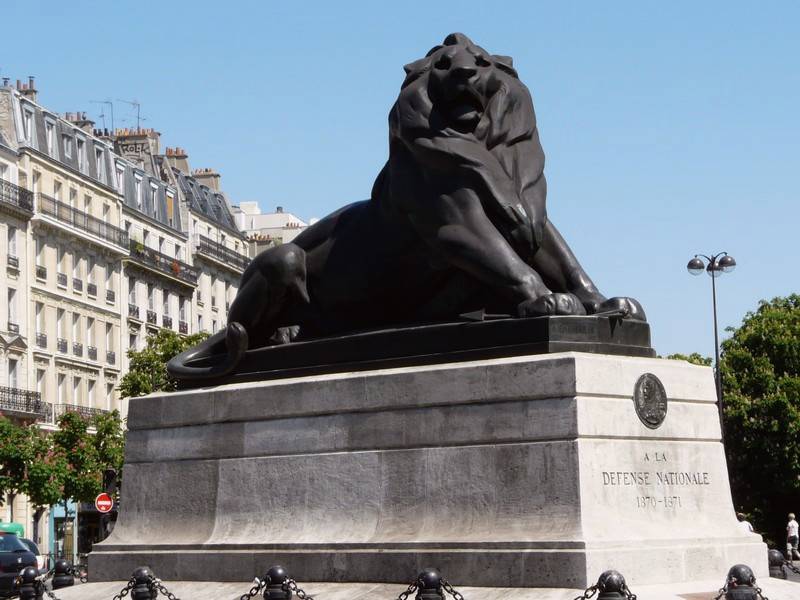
<point x="456" y="222"/>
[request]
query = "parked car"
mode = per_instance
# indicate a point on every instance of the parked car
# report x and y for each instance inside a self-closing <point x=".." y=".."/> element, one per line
<point x="14" y="556"/>
<point x="41" y="559"/>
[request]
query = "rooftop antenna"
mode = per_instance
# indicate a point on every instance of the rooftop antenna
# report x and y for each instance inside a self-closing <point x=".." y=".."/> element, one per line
<point x="138" y="106"/>
<point x="110" y="104"/>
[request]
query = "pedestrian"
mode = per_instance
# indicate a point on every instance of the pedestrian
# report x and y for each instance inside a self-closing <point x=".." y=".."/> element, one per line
<point x="744" y="524"/>
<point x="791" y="538"/>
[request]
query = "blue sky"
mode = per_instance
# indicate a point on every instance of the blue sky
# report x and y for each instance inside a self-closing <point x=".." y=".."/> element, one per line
<point x="669" y="128"/>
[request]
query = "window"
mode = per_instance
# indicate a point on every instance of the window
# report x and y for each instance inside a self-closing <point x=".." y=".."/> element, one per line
<point x="182" y="308"/>
<point x="39" y="251"/>
<point x="214" y="326"/>
<point x="76" y="328"/>
<point x="109" y="337"/>
<point x="81" y="154"/>
<point x="98" y="164"/>
<point x="40" y="382"/>
<point x="120" y="174"/>
<point x="40" y="327"/>
<point x="87" y="205"/>
<point x="62" y="384"/>
<point x="200" y="323"/>
<point x="132" y="341"/>
<point x="27" y="124"/>
<point x="76" y="267"/>
<point x="151" y="301"/>
<point x="3" y="172"/>
<point x="178" y="252"/>
<point x="73" y="196"/>
<point x="90" y="393"/>
<point x="161" y="245"/>
<point x="109" y="395"/>
<point x="68" y="146"/>
<point x="12" y="373"/>
<point x="154" y="200"/>
<point x="170" y="209"/>
<point x="60" y="323"/>
<point x="12" y="308"/>
<point x="62" y="259"/>
<point x="132" y="290"/>
<point x="110" y="276"/>
<point x="36" y="177"/>
<point x="57" y="190"/>
<point x="90" y="269"/>
<point x="138" y="192"/>
<point x="105" y="213"/>
<point x="76" y="390"/>
<point x="12" y="240"/>
<point x="50" y="129"/>
<point x="165" y="307"/>
<point x="90" y="331"/>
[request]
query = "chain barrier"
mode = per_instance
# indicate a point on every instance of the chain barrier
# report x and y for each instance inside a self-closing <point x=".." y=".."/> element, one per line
<point x="126" y="590"/>
<point x="258" y="585"/>
<point x="290" y="585"/>
<point x="732" y="582"/>
<point x="790" y="565"/>
<point x="450" y="590"/>
<point x="159" y="585"/>
<point x="411" y="589"/>
<point x="588" y="593"/>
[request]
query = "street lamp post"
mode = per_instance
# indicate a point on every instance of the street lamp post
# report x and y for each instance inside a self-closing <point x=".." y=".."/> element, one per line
<point x="716" y="266"/>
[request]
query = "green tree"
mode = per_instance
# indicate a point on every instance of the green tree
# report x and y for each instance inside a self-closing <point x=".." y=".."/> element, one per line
<point x="761" y="382"/>
<point x="148" y="367"/>
<point x="74" y="448"/>
<point x="46" y="473"/>
<point x="109" y="441"/>
<point x="693" y="358"/>
<point x="14" y="458"/>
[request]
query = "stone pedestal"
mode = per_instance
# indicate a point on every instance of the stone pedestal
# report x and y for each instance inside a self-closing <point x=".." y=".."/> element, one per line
<point x="532" y="471"/>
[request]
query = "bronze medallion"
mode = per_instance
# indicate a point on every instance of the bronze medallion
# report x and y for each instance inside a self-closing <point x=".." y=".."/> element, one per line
<point x="650" y="400"/>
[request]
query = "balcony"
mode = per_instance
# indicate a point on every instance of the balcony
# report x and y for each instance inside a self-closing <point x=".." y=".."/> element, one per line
<point x="133" y="311"/>
<point x="41" y="340"/>
<point x="13" y="327"/>
<point x="86" y="412"/>
<point x="111" y="357"/>
<point x="22" y="402"/>
<point x="111" y="296"/>
<point x="61" y="344"/>
<point x="13" y="262"/>
<point x="151" y="317"/>
<point x="161" y="263"/>
<point x="77" y="348"/>
<point x="16" y="198"/>
<point x="166" y="321"/>
<point x="78" y="219"/>
<point x="183" y="327"/>
<point x="61" y="279"/>
<point x="91" y="352"/>
<point x="77" y="284"/>
<point x="91" y="289"/>
<point x="41" y="273"/>
<point x="221" y="253"/>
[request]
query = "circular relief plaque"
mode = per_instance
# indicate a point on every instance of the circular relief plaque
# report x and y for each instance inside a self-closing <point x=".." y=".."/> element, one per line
<point x="650" y="400"/>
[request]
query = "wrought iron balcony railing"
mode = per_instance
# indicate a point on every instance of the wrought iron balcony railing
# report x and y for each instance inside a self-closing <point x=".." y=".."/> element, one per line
<point x="22" y="401"/>
<point x="151" y="317"/>
<point x="133" y="311"/>
<point x="111" y="357"/>
<point x="183" y="327"/>
<point x="163" y="263"/>
<point x="77" y="348"/>
<point x="87" y="412"/>
<point x="13" y="261"/>
<point x="80" y="220"/>
<point x="41" y="272"/>
<point x="41" y="340"/>
<point x="61" y="344"/>
<point x="13" y="327"/>
<point x="91" y="352"/>
<point x="77" y="284"/>
<point x="91" y="289"/>
<point x="111" y="296"/>
<point x="61" y="279"/>
<point x="15" y="196"/>
<point x="166" y="321"/>
<point x="220" y="252"/>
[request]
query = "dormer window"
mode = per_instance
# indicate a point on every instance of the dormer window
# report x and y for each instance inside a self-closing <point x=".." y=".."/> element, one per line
<point x="68" y="146"/>
<point x="120" y="174"/>
<point x="138" y="179"/>
<point x="27" y="124"/>
<point x="98" y="164"/>
<point x="81" y="154"/>
<point x="50" y="132"/>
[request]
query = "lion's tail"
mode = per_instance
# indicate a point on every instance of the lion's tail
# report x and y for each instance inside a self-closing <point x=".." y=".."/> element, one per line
<point x="217" y="356"/>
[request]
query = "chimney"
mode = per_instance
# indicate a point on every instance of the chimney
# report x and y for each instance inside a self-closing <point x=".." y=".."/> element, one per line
<point x="29" y="91"/>
<point x="85" y="124"/>
<point x="139" y="146"/>
<point x="279" y="209"/>
<point x="207" y="177"/>
<point x="178" y="159"/>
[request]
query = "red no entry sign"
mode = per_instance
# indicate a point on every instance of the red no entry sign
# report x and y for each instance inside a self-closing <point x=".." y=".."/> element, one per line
<point x="103" y="503"/>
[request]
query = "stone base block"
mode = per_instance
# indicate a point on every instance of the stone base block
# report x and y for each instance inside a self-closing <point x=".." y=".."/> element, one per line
<point x="528" y="472"/>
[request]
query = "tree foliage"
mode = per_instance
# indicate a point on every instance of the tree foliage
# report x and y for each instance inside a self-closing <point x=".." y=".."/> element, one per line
<point x="148" y="367"/>
<point x="761" y="382"/>
<point x="73" y="445"/>
<point x="693" y="358"/>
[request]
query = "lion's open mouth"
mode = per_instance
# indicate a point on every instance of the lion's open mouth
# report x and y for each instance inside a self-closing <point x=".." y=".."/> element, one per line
<point x="466" y="108"/>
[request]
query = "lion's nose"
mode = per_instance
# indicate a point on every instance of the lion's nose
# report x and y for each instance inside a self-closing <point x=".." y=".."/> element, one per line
<point x="463" y="71"/>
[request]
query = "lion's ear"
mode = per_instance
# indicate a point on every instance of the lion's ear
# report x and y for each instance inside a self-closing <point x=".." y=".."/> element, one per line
<point x="417" y="65"/>
<point x="505" y="63"/>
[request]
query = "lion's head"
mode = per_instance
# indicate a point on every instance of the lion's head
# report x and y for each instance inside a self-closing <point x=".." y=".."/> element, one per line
<point x="461" y="105"/>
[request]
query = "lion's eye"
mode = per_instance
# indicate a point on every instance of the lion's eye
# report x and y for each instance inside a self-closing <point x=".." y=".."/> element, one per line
<point x="443" y="62"/>
<point x="481" y="61"/>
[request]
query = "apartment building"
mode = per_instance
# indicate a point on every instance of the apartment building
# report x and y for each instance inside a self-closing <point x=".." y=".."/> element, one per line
<point x="102" y="241"/>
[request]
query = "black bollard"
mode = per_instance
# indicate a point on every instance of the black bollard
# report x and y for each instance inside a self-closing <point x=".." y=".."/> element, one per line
<point x="62" y="574"/>
<point x="27" y="583"/>
<point x="275" y="578"/>
<point x="143" y="588"/>
<point x="430" y="585"/>
<point x="741" y="584"/>
<point x="776" y="560"/>
<point x="611" y="586"/>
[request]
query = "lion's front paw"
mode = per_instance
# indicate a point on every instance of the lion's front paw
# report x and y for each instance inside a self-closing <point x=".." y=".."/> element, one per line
<point x="551" y="304"/>
<point x="631" y="307"/>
